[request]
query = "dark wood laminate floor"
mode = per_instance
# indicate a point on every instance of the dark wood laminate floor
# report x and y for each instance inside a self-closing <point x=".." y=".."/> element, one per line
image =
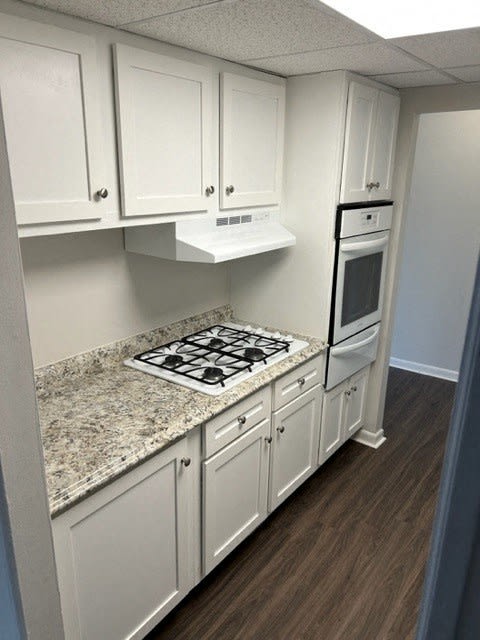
<point x="344" y="557"/>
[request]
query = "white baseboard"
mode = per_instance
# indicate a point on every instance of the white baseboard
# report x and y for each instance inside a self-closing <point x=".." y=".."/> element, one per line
<point x="370" y="438"/>
<point x="424" y="369"/>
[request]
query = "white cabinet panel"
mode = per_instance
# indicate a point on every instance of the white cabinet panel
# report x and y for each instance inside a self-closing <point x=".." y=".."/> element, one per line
<point x="388" y="107"/>
<point x="370" y="135"/>
<point x="48" y="82"/>
<point x="333" y="419"/>
<point x="358" y="142"/>
<point x="235" y="482"/>
<point x="343" y="413"/>
<point x="123" y="555"/>
<point x="232" y="423"/>
<point x="355" y="402"/>
<point x="301" y="379"/>
<point x="252" y="133"/>
<point x="164" y="116"/>
<point x="295" y="432"/>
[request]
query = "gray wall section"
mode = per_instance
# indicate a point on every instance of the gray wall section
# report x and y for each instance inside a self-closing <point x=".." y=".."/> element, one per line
<point x="441" y="242"/>
<point x="26" y="513"/>
<point x="84" y="290"/>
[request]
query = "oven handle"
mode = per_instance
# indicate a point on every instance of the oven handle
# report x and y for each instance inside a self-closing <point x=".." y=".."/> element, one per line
<point x="352" y="247"/>
<point x="340" y="351"/>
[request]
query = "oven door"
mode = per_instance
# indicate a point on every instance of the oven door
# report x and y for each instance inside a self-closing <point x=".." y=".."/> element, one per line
<point x="360" y="283"/>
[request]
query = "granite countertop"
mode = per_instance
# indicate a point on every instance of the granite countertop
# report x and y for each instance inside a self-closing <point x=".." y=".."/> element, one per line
<point x="100" y="418"/>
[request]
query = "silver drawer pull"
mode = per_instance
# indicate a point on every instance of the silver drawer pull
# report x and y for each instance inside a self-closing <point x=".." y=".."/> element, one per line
<point x="186" y="462"/>
<point x="241" y="420"/>
<point x="281" y="429"/>
<point x="301" y="382"/>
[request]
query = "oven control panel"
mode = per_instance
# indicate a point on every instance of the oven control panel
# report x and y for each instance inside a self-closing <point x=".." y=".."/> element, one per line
<point x="356" y="222"/>
<point x="369" y="219"/>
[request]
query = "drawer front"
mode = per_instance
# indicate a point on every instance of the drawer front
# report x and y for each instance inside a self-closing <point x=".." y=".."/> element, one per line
<point x="236" y="421"/>
<point x="293" y="384"/>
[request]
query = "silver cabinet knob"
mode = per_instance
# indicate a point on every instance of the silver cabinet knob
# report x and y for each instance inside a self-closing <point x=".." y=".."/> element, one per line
<point x="229" y="190"/>
<point x="281" y="429"/>
<point x="102" y="193"/>
<point x="241" y="420"/>
<point x="268" y="440"/>
<point x="186" y="462"/>
<point x="347" y="393"/>
<point x="354" y="389"/>
<point x="209" y="191"/>
<point x="369" y="185"/>
<point x="376" y="185"/>
<point x="301" y="382"/>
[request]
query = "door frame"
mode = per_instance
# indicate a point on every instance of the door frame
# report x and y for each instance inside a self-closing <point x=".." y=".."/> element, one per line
<point x="449" y="606"/>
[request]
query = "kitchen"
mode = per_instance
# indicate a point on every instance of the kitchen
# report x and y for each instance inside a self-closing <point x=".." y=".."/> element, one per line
<point x="84" y="291"/>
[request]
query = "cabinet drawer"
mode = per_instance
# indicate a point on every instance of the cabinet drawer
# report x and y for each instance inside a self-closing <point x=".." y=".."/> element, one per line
<point x="236" y="421"/>
<point x="291" y="385"/>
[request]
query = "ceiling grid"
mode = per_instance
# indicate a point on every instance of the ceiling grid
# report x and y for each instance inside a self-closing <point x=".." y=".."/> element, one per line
<point x="289" y="37"/>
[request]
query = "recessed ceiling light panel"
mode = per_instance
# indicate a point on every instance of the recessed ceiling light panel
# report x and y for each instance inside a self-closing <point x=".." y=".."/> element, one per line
<point x="396" y="18"/>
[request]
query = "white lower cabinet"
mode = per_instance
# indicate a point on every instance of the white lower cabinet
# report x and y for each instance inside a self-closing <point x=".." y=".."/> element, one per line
<point x="235" y="484"/>
<point x="355" y="403"/>
<point x="295" y="434"/>
<point x="343" y="413"/>
<point x="125" y="555"/>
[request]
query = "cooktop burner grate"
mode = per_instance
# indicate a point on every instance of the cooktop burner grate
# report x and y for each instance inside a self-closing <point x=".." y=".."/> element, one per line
<point x="215" y="359"/>
<point x="214" y="355"/>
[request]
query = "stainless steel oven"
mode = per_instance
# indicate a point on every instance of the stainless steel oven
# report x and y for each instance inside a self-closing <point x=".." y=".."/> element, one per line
<point x="362" y="235"/>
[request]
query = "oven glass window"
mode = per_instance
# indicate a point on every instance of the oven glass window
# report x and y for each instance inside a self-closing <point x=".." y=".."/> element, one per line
<point x="361" y="287"/>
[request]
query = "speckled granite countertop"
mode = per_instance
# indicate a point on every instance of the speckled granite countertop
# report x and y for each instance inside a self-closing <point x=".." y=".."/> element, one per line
<point x="100" y="418"/>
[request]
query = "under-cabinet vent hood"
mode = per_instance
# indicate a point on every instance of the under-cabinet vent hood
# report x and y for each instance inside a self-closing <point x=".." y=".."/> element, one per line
<point x="211" y="240"/>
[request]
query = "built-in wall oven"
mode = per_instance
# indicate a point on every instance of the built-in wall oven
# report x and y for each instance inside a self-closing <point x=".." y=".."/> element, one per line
<point x="362" y="234"/>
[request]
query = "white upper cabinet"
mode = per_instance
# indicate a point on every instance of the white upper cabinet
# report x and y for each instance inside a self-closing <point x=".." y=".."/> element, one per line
<point x="164" y="113"/>
<point x="48" y="84"/>
<point x="388" y="107"/>
<point x="371" y="129"/>
<point x="251" y="141"/>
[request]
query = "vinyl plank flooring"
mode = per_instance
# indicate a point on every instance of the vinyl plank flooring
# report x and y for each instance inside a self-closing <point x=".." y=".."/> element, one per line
<point x="344" y="557"/>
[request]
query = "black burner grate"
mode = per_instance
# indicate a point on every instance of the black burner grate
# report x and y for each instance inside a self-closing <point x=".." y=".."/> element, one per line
<point x="219" y="347"/>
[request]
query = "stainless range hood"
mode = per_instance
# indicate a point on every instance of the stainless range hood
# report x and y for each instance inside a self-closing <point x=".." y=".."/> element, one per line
<point x="211" y="240"/>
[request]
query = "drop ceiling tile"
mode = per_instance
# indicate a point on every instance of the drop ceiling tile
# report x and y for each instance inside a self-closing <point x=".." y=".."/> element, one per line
<point x="367" y="59"/>
<point x="116" y="12"/>
<point x="448" y="49"/>
<point x="468" y="74"/>
<point x="414" y="79"/>
<point x="241" y="29"/>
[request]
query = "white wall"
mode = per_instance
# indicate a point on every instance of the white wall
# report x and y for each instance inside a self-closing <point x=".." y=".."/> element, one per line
<point x="414" y="102"/>
<point x="441" y="243"/>
<point x="84" y="290"/>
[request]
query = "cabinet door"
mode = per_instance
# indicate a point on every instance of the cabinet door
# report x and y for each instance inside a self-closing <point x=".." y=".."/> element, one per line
<point x="296" y="430"/>
<point x="333" y="420"/>
<point x="355" y="402"/>
<point x="48" y="83"/>
<point x="235" y="483"/>
<point x="252" y="132"/>
<point x="359" y="135"/>
<point x="386" y="123"/>
<point x="164" y="116"/>
<point x="122" y="555"/>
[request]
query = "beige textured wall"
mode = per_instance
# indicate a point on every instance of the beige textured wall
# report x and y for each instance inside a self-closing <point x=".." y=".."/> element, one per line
<point x="84" y="290"/>
<point x="413" y="103"/>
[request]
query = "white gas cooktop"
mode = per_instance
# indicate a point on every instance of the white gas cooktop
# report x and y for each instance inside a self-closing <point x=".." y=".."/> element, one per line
<point x="217" y="358"/>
